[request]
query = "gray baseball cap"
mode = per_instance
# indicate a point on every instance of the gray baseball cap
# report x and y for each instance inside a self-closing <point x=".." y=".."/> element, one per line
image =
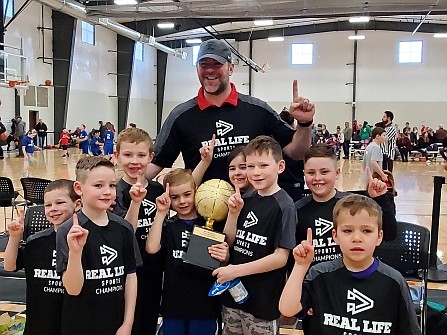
<point x="215" y="49"/>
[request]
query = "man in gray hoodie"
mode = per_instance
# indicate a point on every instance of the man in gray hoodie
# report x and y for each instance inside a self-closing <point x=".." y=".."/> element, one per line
<point x="20" y="132"/>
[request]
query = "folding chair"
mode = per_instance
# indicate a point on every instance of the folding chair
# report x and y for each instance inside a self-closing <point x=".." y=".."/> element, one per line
<point x="35" y="221"/>
<point x="7" y="195"/>
<point x="408" y="252"/>
<point x="33" y="190"/>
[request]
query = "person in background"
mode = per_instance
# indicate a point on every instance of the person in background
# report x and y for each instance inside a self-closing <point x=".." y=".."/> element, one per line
<point x="423" y="143"/>
<point x="101" y="128"/>
<point x="390" y="143"/>
<point x="64" y="142"/>
<point x="404" y="145"/>
<point x="440" y="134"/>
<point x="347" y="135"/>
<point x="41" y="129"/>
<point x="20" y="133"/>
<point x="2" y="130"/>
<point x="365" y="134"/>
<point x="414" y="136"/>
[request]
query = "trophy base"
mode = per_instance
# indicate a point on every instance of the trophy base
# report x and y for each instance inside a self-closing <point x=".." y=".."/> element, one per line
<point x="197" y="253"/>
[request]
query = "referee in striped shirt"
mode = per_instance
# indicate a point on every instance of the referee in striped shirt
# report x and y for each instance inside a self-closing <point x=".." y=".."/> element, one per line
<point x="388" y="147"/>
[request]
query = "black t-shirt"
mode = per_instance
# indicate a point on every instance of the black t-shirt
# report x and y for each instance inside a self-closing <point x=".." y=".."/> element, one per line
<point x="187" y="128"/>
<point x="185" y="287"/>
<point x="107" y="258"/>
<point x="44" y="289"/>
<point x="344" y="302"/>
<point x="264" y="224"/>
<point x="318" y="216"/>
<point x="148" y="208"/>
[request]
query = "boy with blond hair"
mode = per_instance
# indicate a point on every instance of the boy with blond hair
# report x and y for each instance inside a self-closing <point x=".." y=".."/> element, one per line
<point x="135" y="201"/>
<point x="186" y="307"/>
<point x="261" y="230"/>
<point x="98" y="272"/>
<point x="44" y="290"/>
<point x="343" y="294"/>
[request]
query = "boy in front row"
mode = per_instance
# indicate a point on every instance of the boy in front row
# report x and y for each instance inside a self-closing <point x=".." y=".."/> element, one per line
<point x="261" y="230"/>
<point x="98" y="272"/>
<point x="44" y="290"/>
<point x="186" y="307"/>
<point x="356" y="293"/>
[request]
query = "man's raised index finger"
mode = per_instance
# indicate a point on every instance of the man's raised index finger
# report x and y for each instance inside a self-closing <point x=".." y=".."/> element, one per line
<point x="295" y="91"/>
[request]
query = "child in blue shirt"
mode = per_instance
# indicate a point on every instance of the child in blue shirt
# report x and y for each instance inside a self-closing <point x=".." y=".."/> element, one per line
<point x="95" y="143"/>
<point x="108" y="137"/>
<point x="82" y="139"/>
<point x="28" y="148"/>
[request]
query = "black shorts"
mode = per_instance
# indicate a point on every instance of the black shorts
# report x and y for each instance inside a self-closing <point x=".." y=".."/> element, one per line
<point x="64" y="147"/>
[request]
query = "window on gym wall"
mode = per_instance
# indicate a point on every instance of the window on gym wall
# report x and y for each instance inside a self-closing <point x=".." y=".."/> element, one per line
<point x="302" y="53"/>
<point x="195" y="54"/>
<point x="139" y="51"/>
<point x="88" y="33"/>
<point x="8" y="8"/>
<point x="410" y="52"/>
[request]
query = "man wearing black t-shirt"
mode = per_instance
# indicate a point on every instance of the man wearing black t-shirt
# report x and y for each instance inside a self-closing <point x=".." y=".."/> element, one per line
<point x="234" y="117"/>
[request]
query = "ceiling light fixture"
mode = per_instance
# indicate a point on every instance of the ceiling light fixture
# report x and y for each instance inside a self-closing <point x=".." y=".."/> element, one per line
<point x="359" y="19"/>
<point x="125" y="2"/>
<point x="193" y="41"/>
<point x="263" y="22"/>
<point x="440" y="35"/>
<point x="356" y="37"/>
<point x="165" y="25"/>
<point x="275" y="39"/>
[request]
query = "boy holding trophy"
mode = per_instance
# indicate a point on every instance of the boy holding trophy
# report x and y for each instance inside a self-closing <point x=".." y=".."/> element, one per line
<point x="186" y="307"/>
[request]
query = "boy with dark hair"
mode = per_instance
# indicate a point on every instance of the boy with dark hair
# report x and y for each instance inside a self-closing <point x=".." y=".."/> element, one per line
<point x="315" y="211"/>
<point x="331" y="288"/>
<point x="82" y="139"/>
<point x="260" y="228"/>
<point x="135" y="201"/>
<point x="98" y="273"/>
<point x="373" y="154"/>
<point x="44" y="290"/>
<point x="95" y="143"/>
<point x="186" y="307"/>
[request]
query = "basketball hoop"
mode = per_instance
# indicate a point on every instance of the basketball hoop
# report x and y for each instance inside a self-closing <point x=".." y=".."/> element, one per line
<point x="22" y="83"/>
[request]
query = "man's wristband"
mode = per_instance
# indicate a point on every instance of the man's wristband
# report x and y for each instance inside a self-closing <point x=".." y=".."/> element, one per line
<point x="305" y="124"/>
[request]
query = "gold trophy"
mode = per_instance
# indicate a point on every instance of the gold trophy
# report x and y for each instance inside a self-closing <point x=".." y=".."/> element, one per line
<point x="211" y="203"/>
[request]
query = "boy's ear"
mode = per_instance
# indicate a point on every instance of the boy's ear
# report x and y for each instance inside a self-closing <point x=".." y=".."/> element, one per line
<point x="151" y="156"/>
<point x="77" y="188"/>
<point x="380" y="238"/>
<point x="334" y="236"/>
<point x="337" y="173"/>
<point x="281" y="166"/>
<point x="78" y="205"/>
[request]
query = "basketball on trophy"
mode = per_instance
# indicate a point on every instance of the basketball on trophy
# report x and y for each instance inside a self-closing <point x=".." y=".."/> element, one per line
<point x="212" y="199"/>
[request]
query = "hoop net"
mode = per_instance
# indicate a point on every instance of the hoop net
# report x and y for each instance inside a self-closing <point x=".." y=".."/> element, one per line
<point x="21" y="91"/>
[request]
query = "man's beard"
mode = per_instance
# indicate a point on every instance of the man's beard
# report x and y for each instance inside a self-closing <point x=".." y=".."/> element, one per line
<point x="220" y="89"/>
